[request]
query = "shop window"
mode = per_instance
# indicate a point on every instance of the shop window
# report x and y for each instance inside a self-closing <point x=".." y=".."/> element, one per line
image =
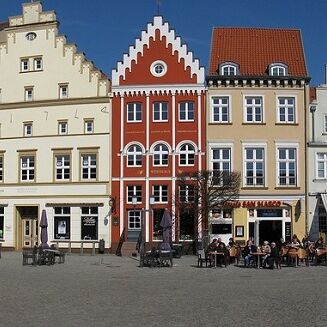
<point x="89" y="223"/>
<point x="62" y="223"/>
<point x="157" y="230"/>
<point x="221" y="229"/>
<point x="186" y="224"/>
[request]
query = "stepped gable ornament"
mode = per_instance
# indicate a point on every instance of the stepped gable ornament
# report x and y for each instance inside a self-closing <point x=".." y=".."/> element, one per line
<point x="158" y="67"/>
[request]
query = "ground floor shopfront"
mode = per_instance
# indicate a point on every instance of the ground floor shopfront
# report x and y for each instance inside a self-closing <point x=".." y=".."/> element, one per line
<point x="317" y="216"/>
<point x="260" y="219"/>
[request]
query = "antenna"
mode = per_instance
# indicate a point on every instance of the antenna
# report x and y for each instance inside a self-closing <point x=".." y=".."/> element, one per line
<point x="159" y="3"/>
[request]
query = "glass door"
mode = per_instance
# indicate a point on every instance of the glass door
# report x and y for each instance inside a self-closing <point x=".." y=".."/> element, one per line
<point x="29" y="232"/>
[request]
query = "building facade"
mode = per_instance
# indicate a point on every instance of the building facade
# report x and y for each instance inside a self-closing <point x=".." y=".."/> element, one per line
<point x="317" y="163"/>
<point x="159" y="123"/>
<point x="55" y="135"/>
<point x="257" y="98"/>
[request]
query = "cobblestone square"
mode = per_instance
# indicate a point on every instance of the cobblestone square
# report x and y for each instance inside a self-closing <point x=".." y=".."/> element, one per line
<point x="113" y="291"/>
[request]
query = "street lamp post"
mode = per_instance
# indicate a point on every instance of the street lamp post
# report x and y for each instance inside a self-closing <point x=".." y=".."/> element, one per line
<point x="142" y="245"/>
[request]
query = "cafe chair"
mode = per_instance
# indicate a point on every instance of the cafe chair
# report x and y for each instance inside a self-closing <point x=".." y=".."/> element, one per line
<point x="203" y="258"/>
<point x="30" y="254"/>
<point x="165" y="258"/>
<point x="234" y="254"/>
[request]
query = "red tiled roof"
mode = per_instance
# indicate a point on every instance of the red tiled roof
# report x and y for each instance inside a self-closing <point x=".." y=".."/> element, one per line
<point x="254" y="49"/>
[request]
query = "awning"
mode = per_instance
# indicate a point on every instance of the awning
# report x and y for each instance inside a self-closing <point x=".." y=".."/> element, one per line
<point x="324" y="199"/>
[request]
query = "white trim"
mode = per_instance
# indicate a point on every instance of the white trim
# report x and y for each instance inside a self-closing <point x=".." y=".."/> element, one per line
<point x="221" y="145"/>
<point x="186" y="111"/>
<point x="134" y="112"/>
<point x="158" y="63"/>
<point x="211" y="114"/>
<point x="263" y="116"/>
<point x="199" y="123"/>
<point x="325" y="165"/>
<point x="160" y="120"/>
<point x="134" y="193"/>
<point x="133" y="143"/>
<point x="278" y="96"/>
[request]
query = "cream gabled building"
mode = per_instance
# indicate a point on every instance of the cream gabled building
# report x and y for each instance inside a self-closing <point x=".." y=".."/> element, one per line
<point x="257" y="99"/>
<point x="54" y="135"/>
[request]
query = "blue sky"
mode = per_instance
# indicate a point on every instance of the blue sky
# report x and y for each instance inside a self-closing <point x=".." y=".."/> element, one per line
<point x="104" y="29"/>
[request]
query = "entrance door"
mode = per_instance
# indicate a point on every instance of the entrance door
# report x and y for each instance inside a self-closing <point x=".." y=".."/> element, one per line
<point x="271" y="230"/>
<point x="29" y="232"/>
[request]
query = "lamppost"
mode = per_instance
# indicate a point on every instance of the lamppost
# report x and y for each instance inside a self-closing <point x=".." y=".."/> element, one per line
<point x="313" y="107"/>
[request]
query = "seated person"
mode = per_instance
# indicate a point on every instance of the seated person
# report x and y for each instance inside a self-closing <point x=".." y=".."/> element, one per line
<point x="213" y="245"/>
<point x="221" y="242"/>
<point x="319" y="243"/>
<point x="248" y="251"/>
<point x="222" y="259"/>
<point x="231" y="243"/>
<point x="265" y="249"/>
<point x="273" y="256"/>
<point x="295" y="242"/>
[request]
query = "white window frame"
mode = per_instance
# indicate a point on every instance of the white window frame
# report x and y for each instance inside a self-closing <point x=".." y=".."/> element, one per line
<point x="228" y="69"/>
<point x="24" y="65"/>
<point x="161" y="111"/>
<point x="135" y="108"/>
<point x="88" y="167"/>
<point x="135" y="155"/>
<point x="287" y="161"/>
<point x="158" y="155"/>
<point x="160" y="193"/>
<point x="278" y="69"/>
<point x="221" y="162"/>
<point x="29" y="94"/>
<point x="29" y="168"/>
<point x="186" y="193"/>
<point x="219" y="107"/>
<point x="253" y="106"/>
<point x="28" y="129"/>
<point x="63" y="91"/>
<point x="62" y="127"/>
<point x="134" y="217"/>
<point x="255" y="161"/>
<point x="37" y="63"/>
<point x="324" y="162"/>
<point x="187" y="153"/>
<point x="287" y="108"/>
<point x="133" y="190"/>
<point x="89" y="126"/>
<point x="189" y="110"/>
<point x="59" y="213"/>
<point x="62" y="164"/>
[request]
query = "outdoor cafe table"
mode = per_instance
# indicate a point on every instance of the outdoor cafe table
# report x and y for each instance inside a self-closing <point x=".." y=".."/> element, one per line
<point x="216" y="254"/>
<point x="258" y="258"/>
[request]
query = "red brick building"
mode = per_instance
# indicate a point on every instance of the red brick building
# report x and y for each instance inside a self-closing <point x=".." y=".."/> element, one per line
<point x="158" y="131"/>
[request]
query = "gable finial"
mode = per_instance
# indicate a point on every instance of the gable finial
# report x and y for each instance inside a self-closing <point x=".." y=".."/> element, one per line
<point x="158" y="7"/>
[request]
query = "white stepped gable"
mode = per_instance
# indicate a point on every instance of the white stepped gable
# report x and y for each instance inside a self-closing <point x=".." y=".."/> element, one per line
<point x="171" y="38"/>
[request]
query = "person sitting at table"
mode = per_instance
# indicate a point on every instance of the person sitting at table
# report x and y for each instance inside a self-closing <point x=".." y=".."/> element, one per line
<point x="231" y="243"/>
<point x="222" y="259"/>
<point x="213" y="245"/>
<point x="273" y="257"/>
<point x="265" y="249"/>
<point x="295" y="242"/>
<point x="248" y="251"/>
<point x="319" y="243"/>
<point x="221" y="241"/>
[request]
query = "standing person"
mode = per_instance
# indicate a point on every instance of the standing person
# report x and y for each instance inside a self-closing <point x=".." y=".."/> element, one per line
<point x="273" y="256"/>
<point x="265" y="249"/>
<point x="248" y="251"/>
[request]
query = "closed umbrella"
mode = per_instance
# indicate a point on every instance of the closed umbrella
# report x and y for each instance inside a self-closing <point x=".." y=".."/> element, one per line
<point x="166" y="225"/>
<point x="44" y="229"/>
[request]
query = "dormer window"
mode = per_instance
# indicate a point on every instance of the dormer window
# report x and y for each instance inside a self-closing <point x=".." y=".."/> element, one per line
<point x="228" y="69"/>
<point x="278" y="69"/>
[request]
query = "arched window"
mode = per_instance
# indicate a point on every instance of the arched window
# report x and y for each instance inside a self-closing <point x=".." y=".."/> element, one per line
<point x="278" y="69"/>
<point x="228" y="69"/>
<point x="186" y="155"/>
<point x="134" y="156"/>
<point x="160" y="155"/>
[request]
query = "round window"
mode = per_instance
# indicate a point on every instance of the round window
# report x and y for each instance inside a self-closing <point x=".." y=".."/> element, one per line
<point x="158" y="68"/>
<point x="30" y="36"/>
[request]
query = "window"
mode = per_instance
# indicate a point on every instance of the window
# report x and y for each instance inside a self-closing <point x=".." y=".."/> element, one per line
<point x="62" y="223"/>
<point x="253" y="110"/>
<point x="134" y="190"/>
<point x="62" y="127"/>
<point x="89" y="223"/>
<point x="134" y="112"/>
<point x="254" y="167"/>
<point x="134" y="220"/>
<point x="160" y="193"/>
<point x="321" y="171"/>
<point x="38" y="64"/>
<point x="160" y="155"/>
<point x="27" y="168"/>
<point x="221" y="164"/>
<point x="228" y="70"/>
<point x="186" y="193"/>
<point x="220" y="109"/>
<point x="1" y="168"/>
<point x="88" y="126"/>
<point x="186" y="224"/>
<point x="24" y="65"/>
<point x="29" y="94"/>
<point x="278" y="70"/>
<point x="89" y="166"/>
<point x="158" y="68"/>
<point x="286" y="162"/>
<point x="160" y="111"/>
<point x="63" y="91"/>
<point x="2" y="218"/>
<point x="28" y="129"/>
<point x="186" y="155"/>
<point x="62" y="164"/>
<point x="186" y="111"/>
<point x="286" y="110"/>
<point x="134" y="156"/>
